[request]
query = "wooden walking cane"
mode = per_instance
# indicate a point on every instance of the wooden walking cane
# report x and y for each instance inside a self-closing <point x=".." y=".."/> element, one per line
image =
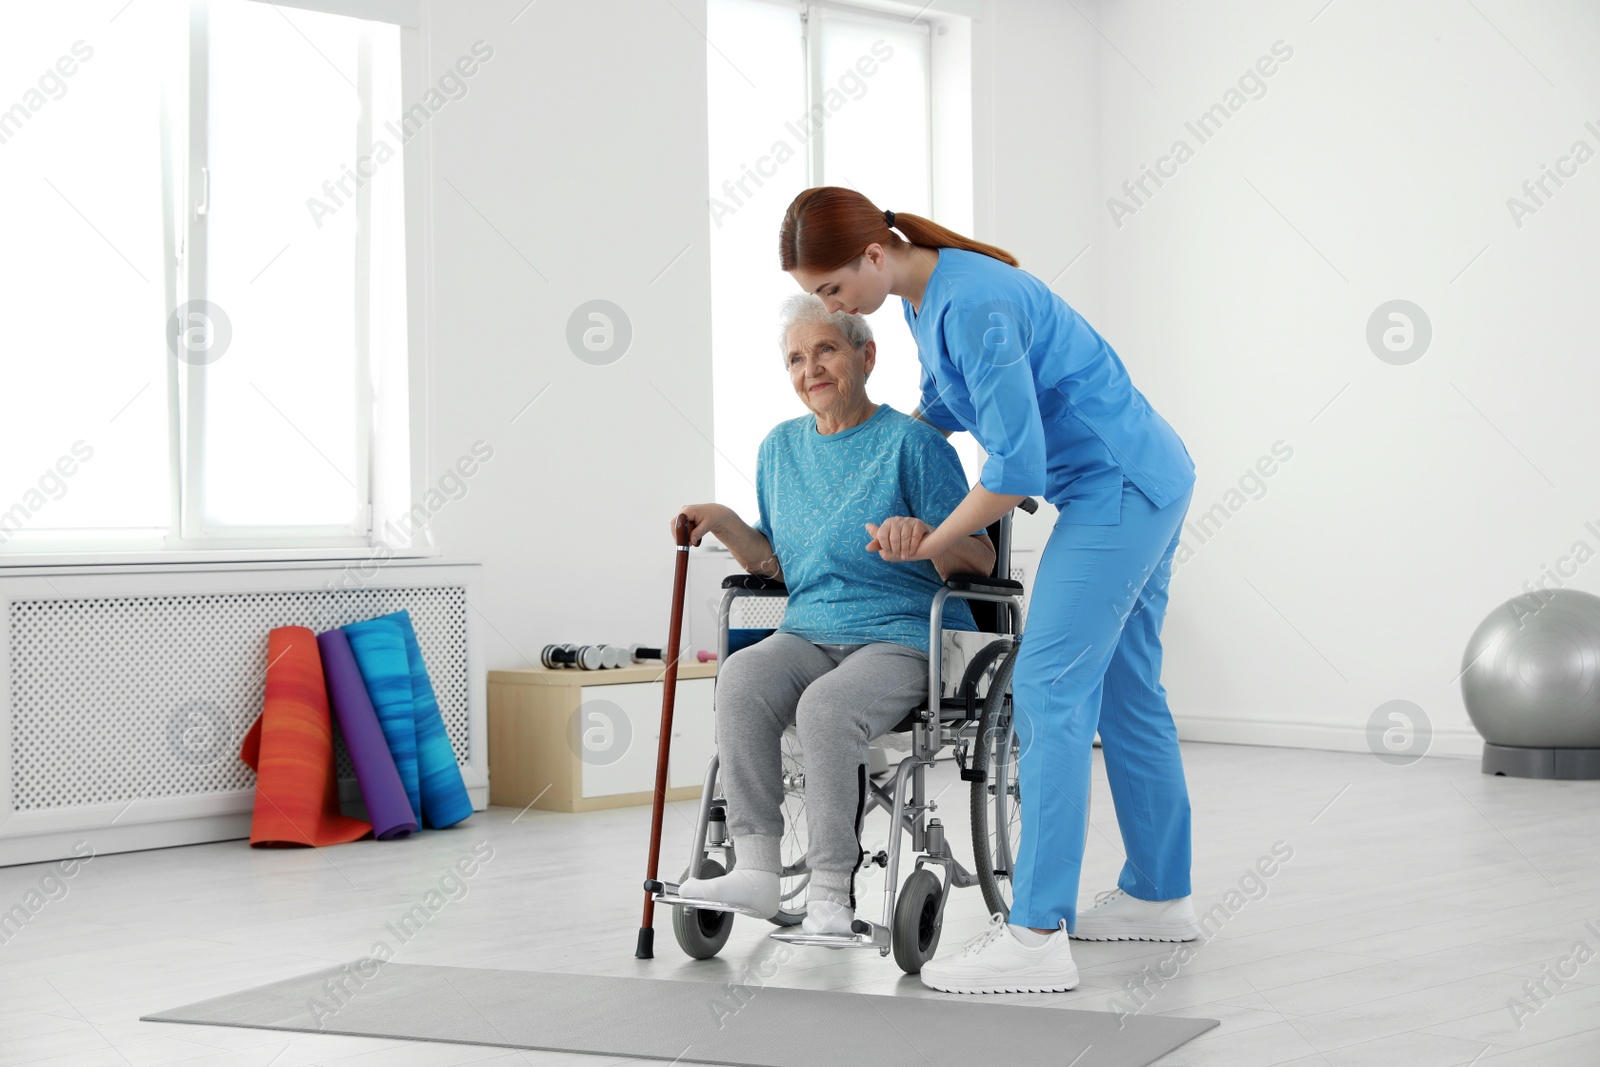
<point x="669" y="690"/>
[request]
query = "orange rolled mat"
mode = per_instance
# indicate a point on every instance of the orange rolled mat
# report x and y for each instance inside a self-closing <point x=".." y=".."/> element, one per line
<point x="290" y="747"/>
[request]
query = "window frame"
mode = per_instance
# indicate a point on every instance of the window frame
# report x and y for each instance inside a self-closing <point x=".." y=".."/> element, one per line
<point x="947" y="30"/>
<point x="389" y="479"/>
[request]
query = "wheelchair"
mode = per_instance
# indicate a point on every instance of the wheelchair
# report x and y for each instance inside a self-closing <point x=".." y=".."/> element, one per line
<point x="975" y="722"/>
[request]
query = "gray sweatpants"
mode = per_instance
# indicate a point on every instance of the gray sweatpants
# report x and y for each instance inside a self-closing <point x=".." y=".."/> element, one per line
<point x="838" y="697"/>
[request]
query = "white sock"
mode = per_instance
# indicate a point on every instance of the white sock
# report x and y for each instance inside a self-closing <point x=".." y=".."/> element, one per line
<point x="828" y="893"/>
<point x="1028" y="936"/>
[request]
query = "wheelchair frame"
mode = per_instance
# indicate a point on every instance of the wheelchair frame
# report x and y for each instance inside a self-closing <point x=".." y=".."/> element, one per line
<point x="937" y="722"/>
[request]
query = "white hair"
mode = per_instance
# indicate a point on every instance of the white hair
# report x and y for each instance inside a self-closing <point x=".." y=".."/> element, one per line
<point x="808" y="307"/>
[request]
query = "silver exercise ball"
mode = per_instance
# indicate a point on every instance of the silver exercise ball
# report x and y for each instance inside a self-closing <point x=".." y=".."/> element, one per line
<point x="1530" y="678"/>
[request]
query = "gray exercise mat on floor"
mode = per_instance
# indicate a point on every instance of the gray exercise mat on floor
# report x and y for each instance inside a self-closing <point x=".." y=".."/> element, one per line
<point x="702" y="1022"/>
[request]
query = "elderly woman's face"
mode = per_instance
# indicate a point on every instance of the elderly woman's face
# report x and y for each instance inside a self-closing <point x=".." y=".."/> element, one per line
<point x="828" y="374"/>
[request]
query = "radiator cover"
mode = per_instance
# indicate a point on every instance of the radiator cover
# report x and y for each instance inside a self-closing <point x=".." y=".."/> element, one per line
<point x="125" y="709"/>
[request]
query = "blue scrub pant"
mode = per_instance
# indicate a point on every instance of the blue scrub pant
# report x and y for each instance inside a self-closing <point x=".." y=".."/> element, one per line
<point x="1093" y="631"/>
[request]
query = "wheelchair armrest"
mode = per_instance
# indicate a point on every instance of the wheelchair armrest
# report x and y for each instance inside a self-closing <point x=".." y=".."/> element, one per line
<point x="755" y="583"/>
<point x="980" y="583"/>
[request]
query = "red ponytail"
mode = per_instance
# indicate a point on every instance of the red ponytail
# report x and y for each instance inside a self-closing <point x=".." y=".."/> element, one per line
<point x="828" y="227"/>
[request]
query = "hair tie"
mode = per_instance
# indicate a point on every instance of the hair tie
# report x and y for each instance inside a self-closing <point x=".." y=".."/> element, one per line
<point x="888" y="218"/>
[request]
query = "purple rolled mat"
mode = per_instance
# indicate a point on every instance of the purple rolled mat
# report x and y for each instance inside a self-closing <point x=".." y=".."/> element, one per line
<point x="388" y="807"/>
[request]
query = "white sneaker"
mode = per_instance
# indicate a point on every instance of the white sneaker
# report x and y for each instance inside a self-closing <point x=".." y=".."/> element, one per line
<point x="826" y="917"/>
<point x="1118" y="917"/>
<point x="747" y="892"/>
<point x="996" y="962"/>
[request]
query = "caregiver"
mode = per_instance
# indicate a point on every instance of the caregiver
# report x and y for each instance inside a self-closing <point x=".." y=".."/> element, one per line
<point x="1006" y="359"/>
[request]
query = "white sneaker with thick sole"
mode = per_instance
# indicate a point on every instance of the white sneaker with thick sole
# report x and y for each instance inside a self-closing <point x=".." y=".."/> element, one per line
<point x="747" y="892"/>
<point x="826" y="917"/>
<point x="996" y="962"/>
<point x="1118" y="917"/>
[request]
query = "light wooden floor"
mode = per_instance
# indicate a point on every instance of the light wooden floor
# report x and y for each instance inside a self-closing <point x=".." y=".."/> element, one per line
<point x="1418" y="901"/>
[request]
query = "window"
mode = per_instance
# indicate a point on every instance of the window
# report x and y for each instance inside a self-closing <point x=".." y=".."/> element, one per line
<point x="206" y="280"/>
<point x="802" y="95"/>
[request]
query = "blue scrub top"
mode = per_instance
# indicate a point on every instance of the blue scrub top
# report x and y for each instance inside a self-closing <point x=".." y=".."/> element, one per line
<point x="1006" y="359"/>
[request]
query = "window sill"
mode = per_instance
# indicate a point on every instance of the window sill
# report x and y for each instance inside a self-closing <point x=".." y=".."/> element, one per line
<point x="30" y="562"/>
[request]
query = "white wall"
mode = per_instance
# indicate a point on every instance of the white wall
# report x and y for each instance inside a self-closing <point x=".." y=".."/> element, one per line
<point x="1036" y="133"/>
<point x="581" y="149"/>
<point x="1376" y="166"/>
<point x="583" y="143"/>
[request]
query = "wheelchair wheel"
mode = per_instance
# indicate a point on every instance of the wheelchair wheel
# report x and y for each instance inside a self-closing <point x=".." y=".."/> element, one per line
<point x="917" y="920"/>
<point x="996" y="800"/>
<point x="794" y="878"/>
<point x="701" y="934"/>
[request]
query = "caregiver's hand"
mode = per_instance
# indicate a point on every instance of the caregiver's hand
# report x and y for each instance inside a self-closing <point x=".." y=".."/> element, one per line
<point x="703" y="519"/>
<point x="899" y="539"/>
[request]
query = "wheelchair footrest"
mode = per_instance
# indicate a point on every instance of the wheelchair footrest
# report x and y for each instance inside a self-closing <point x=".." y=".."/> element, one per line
<point x="873" y="937"/>
<point x="670" y="896"/>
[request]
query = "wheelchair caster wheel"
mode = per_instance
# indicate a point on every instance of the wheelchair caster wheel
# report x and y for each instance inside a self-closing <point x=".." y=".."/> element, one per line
<point x="917" y="920"/>
<point x="701" y="934"/>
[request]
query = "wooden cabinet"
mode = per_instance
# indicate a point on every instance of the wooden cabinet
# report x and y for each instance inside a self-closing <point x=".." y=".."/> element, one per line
<point x="571" y="740"/>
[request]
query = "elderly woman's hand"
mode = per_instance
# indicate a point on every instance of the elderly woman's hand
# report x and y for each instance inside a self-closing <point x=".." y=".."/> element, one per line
<point x="899" y="539"/>
<point x="703" y="519"/>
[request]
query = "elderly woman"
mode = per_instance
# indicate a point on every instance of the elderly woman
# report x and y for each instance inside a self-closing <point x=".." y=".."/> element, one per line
<point x="846" y="495"/>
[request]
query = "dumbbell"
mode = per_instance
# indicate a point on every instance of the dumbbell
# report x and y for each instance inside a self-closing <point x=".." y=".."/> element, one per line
<point x="584" y="657"/>
<point x="640" y="653"/>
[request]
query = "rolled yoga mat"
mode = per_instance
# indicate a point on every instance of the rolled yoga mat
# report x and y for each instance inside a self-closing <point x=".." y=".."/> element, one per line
<point x="385" y="795"/>
<point x="290" y="747"/>
<point x="380" y="654"/>
<point x="444" y="795"/>
<point x="439" y="794"/>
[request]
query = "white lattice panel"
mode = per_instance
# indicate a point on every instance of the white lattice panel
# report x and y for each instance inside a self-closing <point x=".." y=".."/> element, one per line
<point x="127" y="698"/>
<point x="757" y="612"/>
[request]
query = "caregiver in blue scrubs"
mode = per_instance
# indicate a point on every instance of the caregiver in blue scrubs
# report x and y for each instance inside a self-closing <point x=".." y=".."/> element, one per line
<point x="1006" y="359"/>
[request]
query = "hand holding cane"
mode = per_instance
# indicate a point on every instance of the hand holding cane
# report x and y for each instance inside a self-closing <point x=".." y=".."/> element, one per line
<point x="646" y="946"/>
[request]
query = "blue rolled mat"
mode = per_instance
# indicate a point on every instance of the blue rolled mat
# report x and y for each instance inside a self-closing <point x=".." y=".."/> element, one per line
<point x="741" y="637"/>
<point x="388" y="806"/>
<point x="444" y="794"/>
<point x="380" y="651"/>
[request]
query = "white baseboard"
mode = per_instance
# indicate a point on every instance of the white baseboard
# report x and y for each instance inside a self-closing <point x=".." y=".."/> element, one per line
<point x="1326" y="737"/>
<point x="40" y="848"/>
<point x="46" y="845"/>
